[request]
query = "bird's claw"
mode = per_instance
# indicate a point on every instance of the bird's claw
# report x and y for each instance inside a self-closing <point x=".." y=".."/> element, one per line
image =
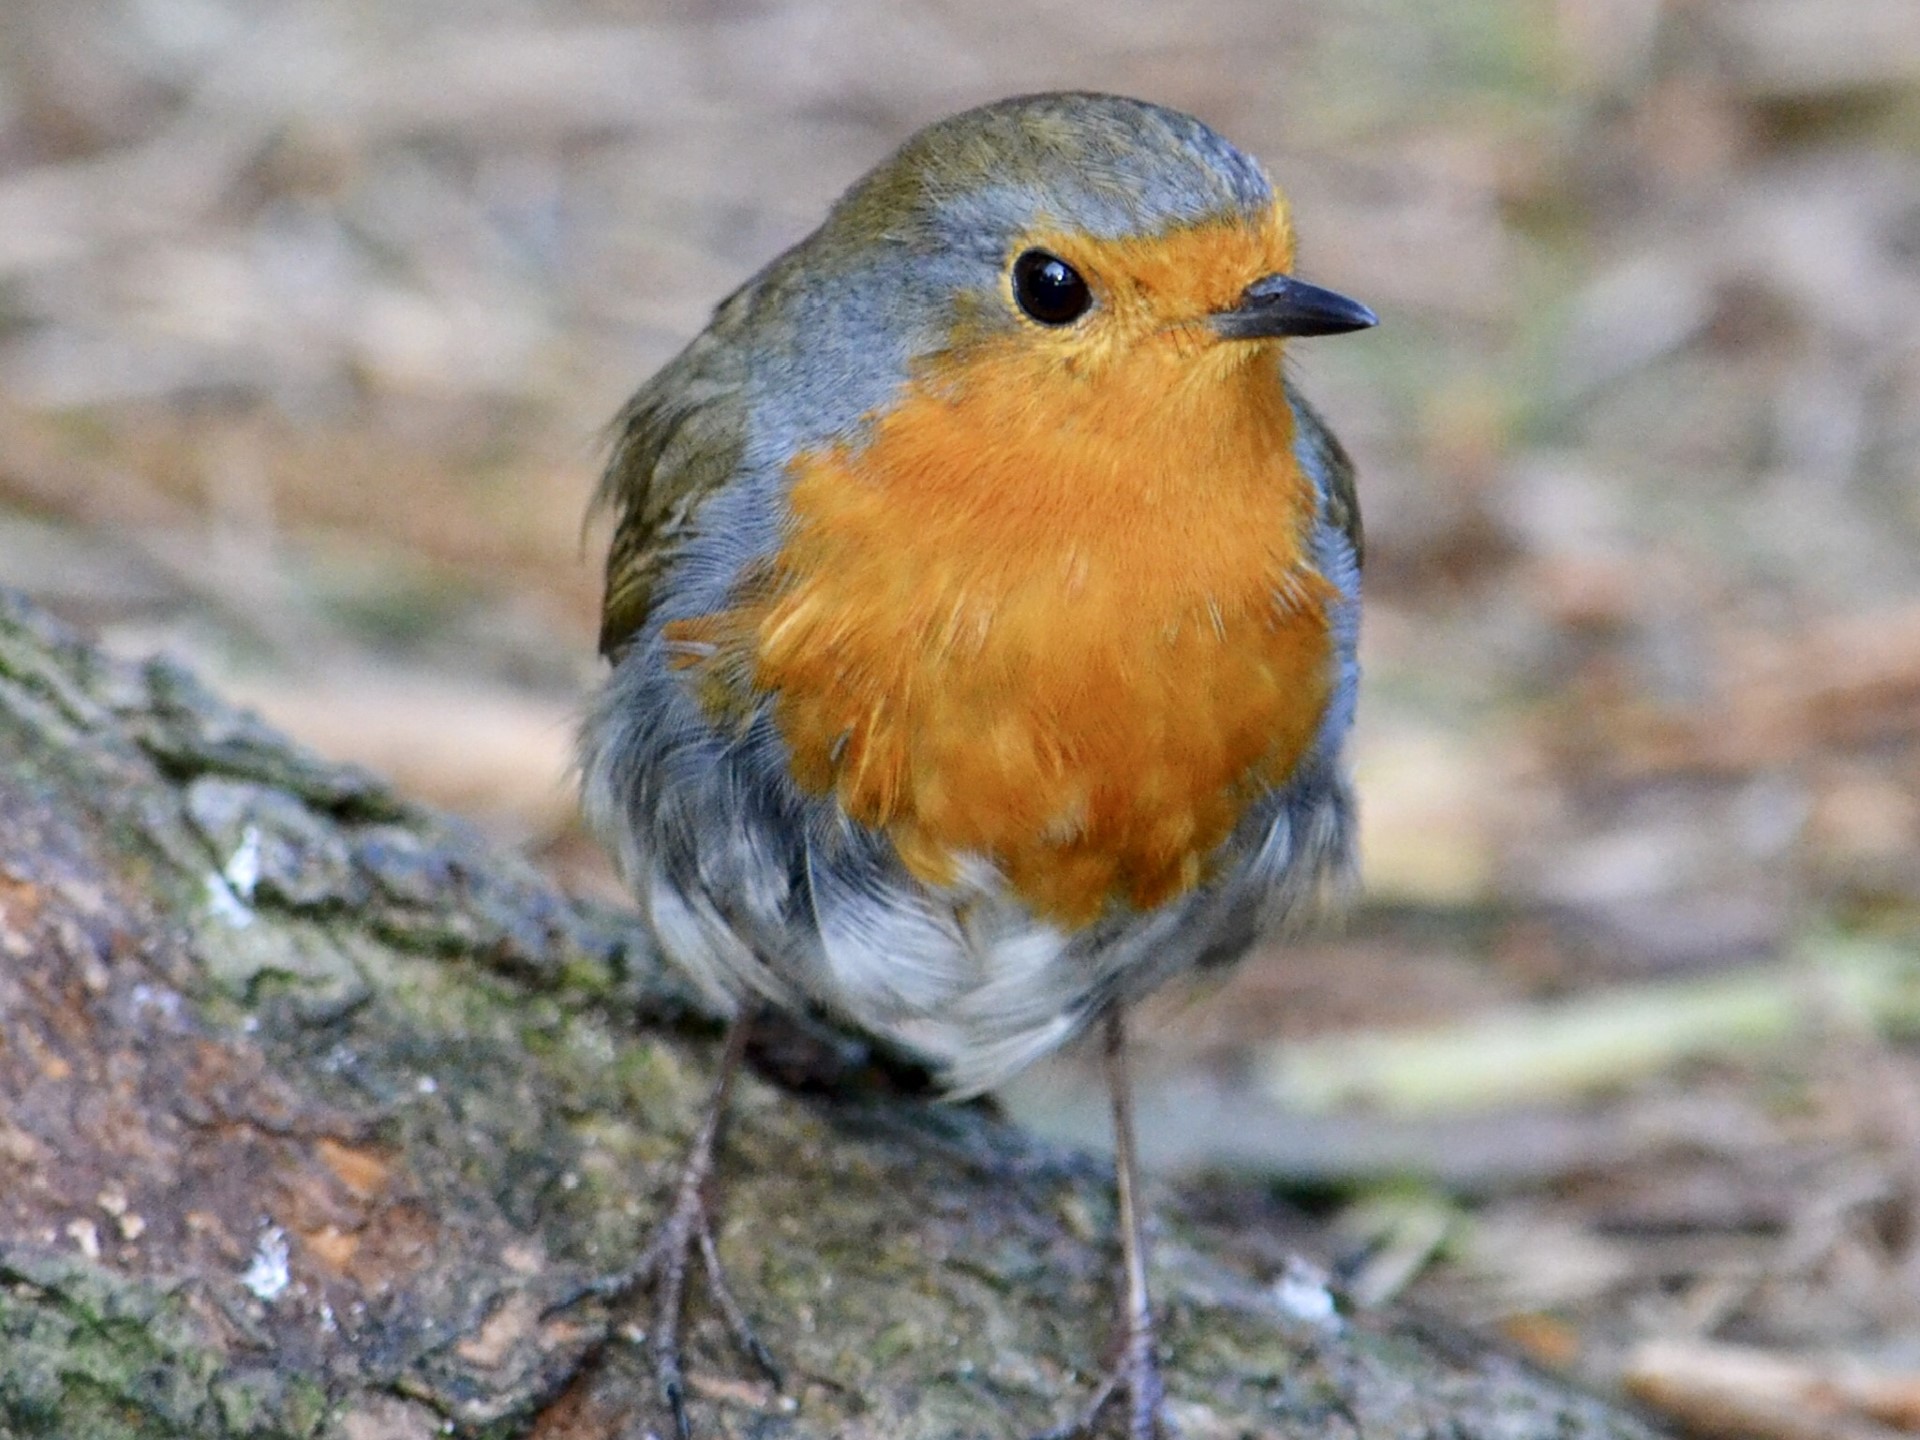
<point x="1136" y="1376"/>
<point x="662" y="1267"/>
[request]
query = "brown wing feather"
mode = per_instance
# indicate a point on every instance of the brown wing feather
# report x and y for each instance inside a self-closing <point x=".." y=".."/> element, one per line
<point x="676" y="441"/>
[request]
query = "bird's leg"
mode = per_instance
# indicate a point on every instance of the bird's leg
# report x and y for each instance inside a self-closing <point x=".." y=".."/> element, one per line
<point x="687" y="1230"/>
<point x="1135" y="1366"/>
<point x="1138" y="1360"/>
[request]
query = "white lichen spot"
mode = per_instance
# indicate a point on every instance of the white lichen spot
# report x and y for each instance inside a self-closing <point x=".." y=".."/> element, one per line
<point x="1304" y="1292"/>
<point x="243" y="869"/>
<point x="230" y="890"/>
<point x="267" y="1275"/>
<point x="426" y="1085"/>
<point x="226" y="906"/>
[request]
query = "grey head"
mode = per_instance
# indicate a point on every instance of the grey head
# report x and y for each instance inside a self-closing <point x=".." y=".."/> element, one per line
<point x="923" y="241"/>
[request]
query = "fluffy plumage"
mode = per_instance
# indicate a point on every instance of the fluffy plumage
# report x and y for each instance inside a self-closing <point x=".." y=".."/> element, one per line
<point x="969" y="673"/>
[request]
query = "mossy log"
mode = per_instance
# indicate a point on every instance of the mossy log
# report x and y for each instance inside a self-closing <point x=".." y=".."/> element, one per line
<point x="313" y="1105"/>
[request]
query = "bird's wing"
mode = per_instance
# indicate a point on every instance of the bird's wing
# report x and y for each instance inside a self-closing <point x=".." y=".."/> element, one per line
<point x="677" y="441"/>
<point x="1332" y="470"/>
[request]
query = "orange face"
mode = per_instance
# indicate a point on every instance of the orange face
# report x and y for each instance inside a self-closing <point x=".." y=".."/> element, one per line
<point x="1056" y="609"/>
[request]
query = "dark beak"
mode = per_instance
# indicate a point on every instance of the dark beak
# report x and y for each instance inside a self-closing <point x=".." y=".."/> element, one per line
<point x="1275" y="306"/>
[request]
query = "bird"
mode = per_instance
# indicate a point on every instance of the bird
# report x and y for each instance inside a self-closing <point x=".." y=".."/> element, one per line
<point x="982" y="608"/>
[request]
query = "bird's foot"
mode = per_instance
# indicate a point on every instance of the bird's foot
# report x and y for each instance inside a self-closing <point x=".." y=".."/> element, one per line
<point x="663" y="1268"/>
<point x="663" y="1265"/>
<point x="1133" y="1378"/>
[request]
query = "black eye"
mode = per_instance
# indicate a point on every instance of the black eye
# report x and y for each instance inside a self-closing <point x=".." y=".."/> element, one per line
<point x="1049" y="289"/>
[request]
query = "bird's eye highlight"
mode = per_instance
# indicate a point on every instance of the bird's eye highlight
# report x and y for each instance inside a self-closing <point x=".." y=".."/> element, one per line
<point x="1049" y="289"/>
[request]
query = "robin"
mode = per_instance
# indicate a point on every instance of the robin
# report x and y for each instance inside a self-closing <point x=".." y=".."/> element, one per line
<point x="982" y="609"/>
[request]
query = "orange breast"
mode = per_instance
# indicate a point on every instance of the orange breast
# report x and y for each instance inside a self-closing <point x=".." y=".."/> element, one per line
<point x="1066" y="625"/>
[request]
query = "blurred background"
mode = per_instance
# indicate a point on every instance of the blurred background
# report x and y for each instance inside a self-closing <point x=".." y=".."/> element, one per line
<point x="311" y="315"/>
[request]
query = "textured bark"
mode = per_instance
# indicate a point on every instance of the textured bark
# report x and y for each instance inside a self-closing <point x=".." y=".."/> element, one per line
<point x="255" y="1006"/>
